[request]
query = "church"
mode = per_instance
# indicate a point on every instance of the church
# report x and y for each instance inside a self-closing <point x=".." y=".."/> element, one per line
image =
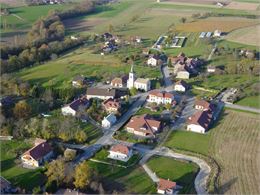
<point x="138" y="83"/>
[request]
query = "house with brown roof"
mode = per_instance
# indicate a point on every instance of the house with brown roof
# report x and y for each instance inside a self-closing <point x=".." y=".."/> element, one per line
<point x="181" y="86"/>
<point x="203" y="105"/>
<point x="166" y="186"/>
<point x="73" y="107"/>
<point x="120" y="152"/>
<point x="112" y="105"/>
<point x="36" y="156"/>
<point x="159" y="97"/>
<point x="103" y="94"/>
<point x="119" y="81"/>
<point x="200" y="121"/>
<point x="143" y="125"/>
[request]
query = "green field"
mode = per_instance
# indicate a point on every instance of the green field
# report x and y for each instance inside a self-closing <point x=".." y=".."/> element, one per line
<point x="59" y="73"/>
<point x="124" y="180"/>
<point x="189" y="141"/>
<point x="29" y="15"/>
<point x="182" y="173"/>
<point x="253" y="101"/>
<point x="18" y="176"/>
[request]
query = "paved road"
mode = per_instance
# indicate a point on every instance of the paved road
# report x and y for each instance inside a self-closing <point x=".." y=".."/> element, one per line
<point x="245" y="108"/>
<point x="168" y="85"/>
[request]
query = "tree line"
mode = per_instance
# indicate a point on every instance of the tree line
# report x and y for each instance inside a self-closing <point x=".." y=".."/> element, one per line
<point x="45" y="40"/>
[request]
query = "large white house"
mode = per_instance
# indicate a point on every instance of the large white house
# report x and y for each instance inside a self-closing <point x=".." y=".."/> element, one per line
<point x="120" y="152"/>
<point x="37" y="155"/>
<point x="200" y="121"/>
<point x="108" y="121"/>
<point x="73" y="107"/>
<point x="183" y="74"/>
<point x="153" y="61"/>
<point x="138" y="83"/>
<point x="160" y="97"/>
<point x="181" y="86"/>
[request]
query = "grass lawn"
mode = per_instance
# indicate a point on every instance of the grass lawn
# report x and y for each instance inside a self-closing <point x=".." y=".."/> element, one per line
<point x="29" y="15"/>
<point x="59" y="73"/>
<point x="189" y="141"/>
<point x="18" y="176"/>
<point x="251" y="101"/>
<point x="181" y="172"/>
<point x="124" y="180"/>
<point x="144" y="110"/>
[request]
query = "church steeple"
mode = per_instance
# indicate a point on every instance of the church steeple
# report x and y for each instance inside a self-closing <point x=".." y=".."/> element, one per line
<point x="131" y="78"/>
<point x="132" y="69"/>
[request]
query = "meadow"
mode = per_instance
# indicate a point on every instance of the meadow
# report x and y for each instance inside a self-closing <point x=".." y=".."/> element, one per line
<point x="13" y="171"/>
<point x="181" y="172"/>
<point x="59" y="73"/>
<point x="233" y="143"/>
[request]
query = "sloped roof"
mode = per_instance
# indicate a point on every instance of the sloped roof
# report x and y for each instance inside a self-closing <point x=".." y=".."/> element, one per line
<point x="121" y="149"/>
<point x="39" y="151"/>
<point x="101" y="92"/>
<point x="202" y="118"/>
<point x="142" y="80"/>
<point x="143" y="123"/>
<point x="204" y="104"/>
<point x="166" y="184"/>
<point x="77" y="103"/>
<point x="162" y="94"/>
<point x="111" y="103"/>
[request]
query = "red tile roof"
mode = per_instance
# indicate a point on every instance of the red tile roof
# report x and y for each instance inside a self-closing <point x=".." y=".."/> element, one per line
<point x="161" y="94"/>
<point x="120" y="148"/>
<point x="39" y="151"/>
<point x="144" y="124"/>
<point x="111" y="103"/>
<point x="206" y="105"/>
<point x="166" y="184"/>
<point x="202" y="118"/>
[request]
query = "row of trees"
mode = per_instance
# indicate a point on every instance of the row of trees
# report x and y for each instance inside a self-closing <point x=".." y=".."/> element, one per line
<point x="45" y="40"/>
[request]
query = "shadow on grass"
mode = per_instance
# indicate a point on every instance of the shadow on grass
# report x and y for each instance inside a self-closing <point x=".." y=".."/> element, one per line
<point x="226" y="186"/>
<point x="7" y="164"/>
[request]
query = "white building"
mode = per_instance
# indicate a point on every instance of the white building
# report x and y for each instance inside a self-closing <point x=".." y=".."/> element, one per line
<point x="183" y="75"/>
<point x="73" y="107"/>
<point x="160" y="97"/>
<point x="211" y="69"/>
<point x="217" y="33"/>
<point x="153" y="61"/>
<point x="120" y="152"/>
<point x="199" y="122"/>
<point x="108" y="121"/>
<point x="138" y="83"/>
<point x="181" y="86"/>
<point x="142" y="84"/>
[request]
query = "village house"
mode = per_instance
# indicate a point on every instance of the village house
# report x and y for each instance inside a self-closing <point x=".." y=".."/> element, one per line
<point x="203" y="105"/>
<point x="112" y="105"/>
<point x="153" y="60"/>
<point x="217" y="33"/>
<point x="109" y="120"/>
<point x="160" y="97"/>
<point x="101" y="93"/>
<point x="181" y="86"/>
<point x="144" y="126"/>
<point x="120" y="152"/>
<point x="36" y="156"/>
<point x="79" y="81"/>
<point x="200" y="121"/>
<point x="73" y="107"/>
<point x="211" y="69"/>
<point x="166" y="186"/>
<point x="138" y="83"/>
<point x="119" y="81"/>
<point x="184" y="74"/>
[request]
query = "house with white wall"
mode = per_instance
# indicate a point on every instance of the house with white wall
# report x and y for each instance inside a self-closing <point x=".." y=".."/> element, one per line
<point x="159" y="97"/>
<point x="109" y="120"/>
<point x="120" y="152"/>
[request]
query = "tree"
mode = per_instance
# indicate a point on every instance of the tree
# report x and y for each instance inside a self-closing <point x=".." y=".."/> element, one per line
<point x="22" y="109"/>
<point x="69" y="154"/>
<point x="81" y="136"/>
<point x="168" y="106"/>
<point x="82" y="175"/>
<point x="183" y="20"/>
<point x="133" y="91"/>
